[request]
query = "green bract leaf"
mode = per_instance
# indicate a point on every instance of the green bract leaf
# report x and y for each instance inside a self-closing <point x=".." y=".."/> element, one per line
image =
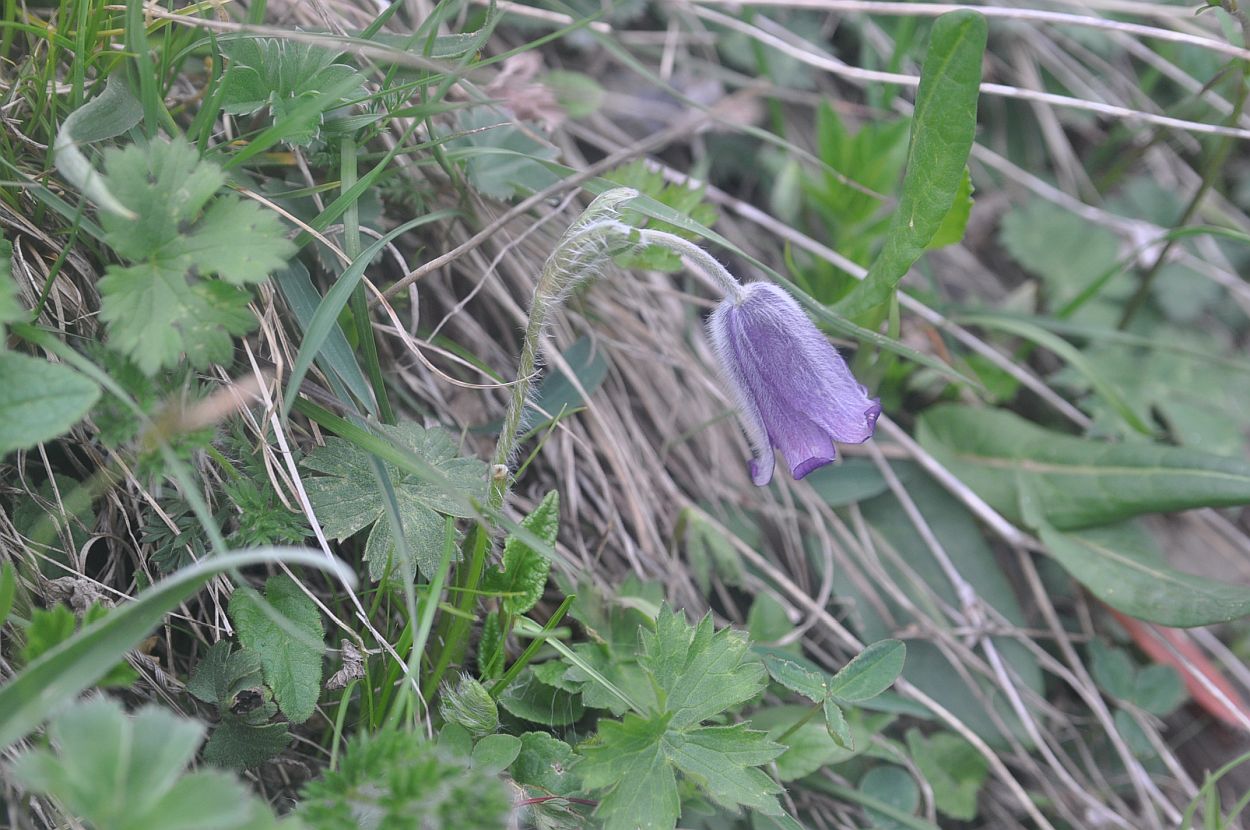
<point x="161" y="305"/>
<point x="348" y="498"/>
<point x="281" y="74"/>
<point x="291" y="660"/>
<point x="1077" y="482"/>
<point x="871" y="672"/>
<point x="698" y="673"/>
<point x="39" y="400"/>
<point x="123" y="772"/>
<point x="522" y="574"/>
<point x="944" y="123"/>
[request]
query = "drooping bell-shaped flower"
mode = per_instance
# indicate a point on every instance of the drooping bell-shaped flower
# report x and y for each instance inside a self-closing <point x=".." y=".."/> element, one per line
<point x="794" y="391"/>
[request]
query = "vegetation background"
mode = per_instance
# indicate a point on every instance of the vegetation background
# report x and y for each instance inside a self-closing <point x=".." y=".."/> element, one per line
<point x="275" y="275"/>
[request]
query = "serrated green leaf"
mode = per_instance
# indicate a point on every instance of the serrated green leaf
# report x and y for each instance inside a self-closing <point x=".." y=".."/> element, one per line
<point x="700" y="671"/>
<point x="240" y="745"/>
<point x="154" y="315"/>
<point x="812" y="685"/>
<point x="1076" y="482"/>
<point x="943" y="127"/>
<point x="1035" y="231"/>
<point x="223" y="672"/>
<point x="495" y="753"/>
<point x="522" y="574"/>
<point x="697" y="673"/>
<point x="39" y="400"/>
<point x="291" y="660"/>
<point x="543" y="762"/>
<point x="870" y="673"/>
<point x="348" y="499"/>
<point x="162" y="305"/>
<point x="629" y="762"/>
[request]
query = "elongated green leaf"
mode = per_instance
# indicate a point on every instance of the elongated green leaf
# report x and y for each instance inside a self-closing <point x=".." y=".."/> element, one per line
<point x="1077" y="482"/>
<point x="62" y="673"/>
<point x="943" y="126"/>
<point x="325" y="319"/>
<point x="870" y="673"/>
<point x="39" y="400"/>
<point x="1121" y="565"/>
<point x="336" y="354"/>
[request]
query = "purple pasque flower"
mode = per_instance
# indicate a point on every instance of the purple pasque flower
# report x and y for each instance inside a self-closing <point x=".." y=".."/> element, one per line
<point x="794" y="391"/>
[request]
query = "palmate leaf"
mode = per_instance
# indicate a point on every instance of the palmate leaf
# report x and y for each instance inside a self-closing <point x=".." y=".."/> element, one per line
<point x="348" y="499"/>
<point x="281" y="74"/>
<point x="161" y="305"/>
<point x="698" y="673"/>
<point x="128" y="772"/>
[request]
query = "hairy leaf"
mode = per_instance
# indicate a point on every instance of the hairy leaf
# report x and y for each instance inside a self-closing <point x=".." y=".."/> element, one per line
<point x="291" y="660"/>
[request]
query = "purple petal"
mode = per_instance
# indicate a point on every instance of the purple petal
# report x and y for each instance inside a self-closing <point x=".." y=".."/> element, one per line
<point x="728" y="352"/>
<point x="794" y="390"/>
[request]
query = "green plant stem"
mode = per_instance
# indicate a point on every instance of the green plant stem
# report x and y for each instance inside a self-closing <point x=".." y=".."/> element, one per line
<point x="811" y="713"/>
<point x="1214" y="165"/>
<point x="532" y="649"/>
<point x="455" y="639"/>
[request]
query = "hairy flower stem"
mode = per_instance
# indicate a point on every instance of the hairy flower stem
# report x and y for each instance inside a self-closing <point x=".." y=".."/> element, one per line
<point x="582" y="252"/>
